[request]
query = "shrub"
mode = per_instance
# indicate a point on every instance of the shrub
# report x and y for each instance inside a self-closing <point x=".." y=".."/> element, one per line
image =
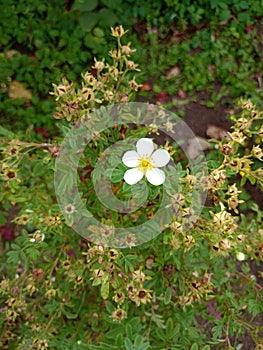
<point x="180" y="289"/>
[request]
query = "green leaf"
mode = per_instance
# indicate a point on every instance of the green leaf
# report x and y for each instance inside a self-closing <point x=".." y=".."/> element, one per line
<point x="88" y="20"/>
<point x="128" y="344"/>
<point x="144" y="346"/>
<point x="224" y="15"/>
<point x="119" y="340"/>
<point x="112" y="4"/>
<point x="243" y="181"/>
<point x="194" y="347"/>
<point x="167" y="296"/>
<point x="243" y="16"/>
<point x="105" y="289"/>
<point x="129" y="331"/>
<point x="117" y="175"/>
<point x="109" y="307"/>
<point x="138" y="341"/>
<point x="6" y="133"/>
<point x="160" y="334"/>
<point x="135" y="322"/>
<point x="217" y="331"/>
<point x="107" y="18"/>
<point x="113" y="333"/>
<point x="169" y="326"/>
<point x="15" y="246"/>
<point x="69" y="315"/>
<point x="13" y="257"/>
<point x="84" y="5"/>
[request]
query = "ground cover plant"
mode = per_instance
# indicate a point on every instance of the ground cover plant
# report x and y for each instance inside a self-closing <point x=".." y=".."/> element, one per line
<point x="197" y="285"/>
<point x="213" y="46"/>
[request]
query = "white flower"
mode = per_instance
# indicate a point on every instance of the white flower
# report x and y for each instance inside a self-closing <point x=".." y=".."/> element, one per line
<point x="145" y="162"/>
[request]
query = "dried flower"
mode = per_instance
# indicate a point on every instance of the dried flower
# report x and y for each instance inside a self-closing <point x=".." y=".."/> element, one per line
<point x="115" y="54"/>
<point x="126" y="50"/>
<point x="97" y="276"/>
<point x="118" y="31"/>
<point x="175" y="243"/>
<point x="130" y="239"/>
<point x="113" y="71"/>
<point x="138" y="276"/>
<point x="189" y="241"/>
<point x="238" y="137"/>
<point x="66" y="265"/>
<point x="78" y="280"/>
<point x="223" y="221"/>
<point x="257" y="152"/>
<point x="99" y="65"/>
<point x="9" y="174"/>
<point x="41" y="344"/>
<point x="108" y="95"/>
<point x="133" y="85"/>
<point x="37" y="237"/>
<point x="119" y="297"/>
<point x="226" y="149"/>
<point x="176" y="227"/>
<point x="118" y="315"/>
<point x="142" y="296"/>
<point x="153" y="128"/>
<point x="247" y="104"/>
<point x="50" y="293"/>
<point x="132" y="66"/>
<point x="87" y="93"/>
<point x="113" y="254"/>
<point x="22" y="220"/>
<point x="89" y="79"/>
<point x="225" y="244"/>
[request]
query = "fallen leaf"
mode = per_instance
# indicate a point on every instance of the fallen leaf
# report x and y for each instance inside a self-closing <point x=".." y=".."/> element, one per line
<point x="216" y="132"/>
<point x="11" y="53"/>
<point x="146" y="87"/>
<point x="17" y="90"/>
<point x="7" y="233"/>
<point x="43" y="131"/>
<point x="162" y="97"/>
<point x="181" y="94"/>
<point x="173" y="72"/>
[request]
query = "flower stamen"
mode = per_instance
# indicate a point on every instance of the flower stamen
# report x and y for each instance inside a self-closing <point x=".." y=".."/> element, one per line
<point x="145" y="164"/>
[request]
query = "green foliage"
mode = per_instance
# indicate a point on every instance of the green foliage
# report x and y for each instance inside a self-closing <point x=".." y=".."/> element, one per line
<point x="185" y="289"/>
<point x="211" y="42"/>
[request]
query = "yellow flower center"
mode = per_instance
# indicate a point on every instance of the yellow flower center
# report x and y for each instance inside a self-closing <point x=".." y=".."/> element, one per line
<point x="145" y="164"/>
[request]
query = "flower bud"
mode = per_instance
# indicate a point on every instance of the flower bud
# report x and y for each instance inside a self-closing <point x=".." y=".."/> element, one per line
<point x="99" y="65"/>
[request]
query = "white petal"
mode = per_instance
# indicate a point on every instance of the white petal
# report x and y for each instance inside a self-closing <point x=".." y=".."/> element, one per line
<point x="160" y="157"/>
<point x="155" y="176"/>
<point x="144" y="147"/>
<point x="132" y="176"/>
<point x="130" y="159"/>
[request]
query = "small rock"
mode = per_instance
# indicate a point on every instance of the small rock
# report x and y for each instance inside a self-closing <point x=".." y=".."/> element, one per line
<point x="216" y="132"/>
<point x="196" y="146"/>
